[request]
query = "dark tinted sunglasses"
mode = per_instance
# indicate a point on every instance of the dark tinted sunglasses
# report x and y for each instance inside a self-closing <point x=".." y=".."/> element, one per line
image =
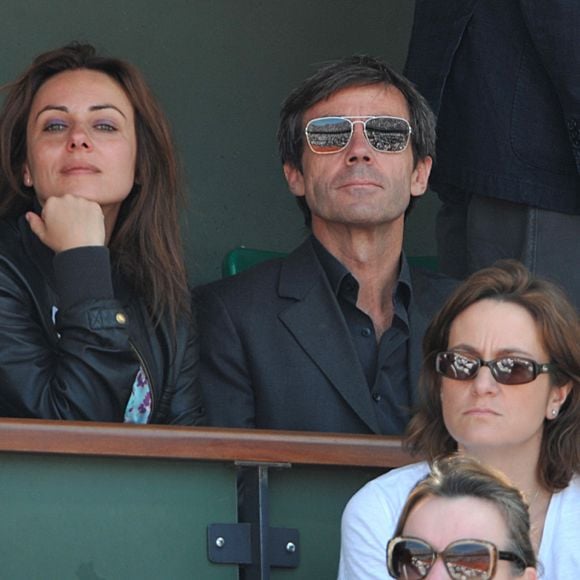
<point x="507" y="370"/>
<point x="412" y="559"/>
<point x="333" y="134"/>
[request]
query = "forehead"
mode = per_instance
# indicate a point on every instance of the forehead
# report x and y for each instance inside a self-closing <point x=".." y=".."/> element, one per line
<point x="442" y="520"/>
<point x="499" y="325"/>
<point x="79" y="89"/>
<point x="366" y="100"/>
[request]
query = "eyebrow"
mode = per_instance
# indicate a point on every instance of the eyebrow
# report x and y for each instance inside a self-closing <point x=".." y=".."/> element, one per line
<point x="509" y="351"/>
<point x="91" y="108"/>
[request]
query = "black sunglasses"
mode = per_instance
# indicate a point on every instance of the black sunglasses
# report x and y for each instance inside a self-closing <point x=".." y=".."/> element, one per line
<point x="507" y="370"/>
<point x="333" y="134"/>
<point x="412" y="558"/>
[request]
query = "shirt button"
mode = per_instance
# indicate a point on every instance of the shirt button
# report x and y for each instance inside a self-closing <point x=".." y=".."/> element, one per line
<point x="377" y="397"/>
<point x="366" y="332"/>
<point x="120" y="318"/>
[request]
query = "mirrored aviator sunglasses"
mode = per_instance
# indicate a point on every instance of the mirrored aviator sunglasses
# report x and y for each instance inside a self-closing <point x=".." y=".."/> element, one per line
<point x="385" y="134"/>
<point x="412" y="558"/>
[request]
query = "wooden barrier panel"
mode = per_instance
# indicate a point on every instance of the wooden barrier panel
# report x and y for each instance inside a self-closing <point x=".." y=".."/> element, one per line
<point x="95" y="501"/>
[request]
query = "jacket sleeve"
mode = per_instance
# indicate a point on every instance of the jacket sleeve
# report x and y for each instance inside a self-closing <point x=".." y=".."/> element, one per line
<point x="224" y="375"/>
<point x="555" y="30"/>
<point x="183" y="400"/>
<point x="81" y="367"/>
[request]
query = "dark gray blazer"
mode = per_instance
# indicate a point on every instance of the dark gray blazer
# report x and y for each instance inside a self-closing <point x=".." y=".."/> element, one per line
<point x="503" y="75"/>
<point x="276" y="352"/>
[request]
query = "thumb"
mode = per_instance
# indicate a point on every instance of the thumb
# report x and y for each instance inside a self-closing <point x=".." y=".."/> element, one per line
<point x="36" y="225"/>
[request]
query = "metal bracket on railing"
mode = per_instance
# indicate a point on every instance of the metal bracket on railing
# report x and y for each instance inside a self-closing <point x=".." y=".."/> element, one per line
<point x="231" y="544"/>
<point x="252" y="543"/>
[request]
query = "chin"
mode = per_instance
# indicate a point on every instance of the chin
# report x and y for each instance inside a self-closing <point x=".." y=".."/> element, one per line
<point x="480" y="437"/>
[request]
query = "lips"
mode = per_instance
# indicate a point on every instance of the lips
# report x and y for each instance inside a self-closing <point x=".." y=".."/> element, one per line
<point x="360" y="184"/>
<point x="79" y="169"/>
<point x="363" y="178"/>
<point x="481" y="412"/>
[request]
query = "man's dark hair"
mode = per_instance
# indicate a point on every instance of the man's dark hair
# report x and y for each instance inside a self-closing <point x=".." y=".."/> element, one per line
<point x="358" y="70"/>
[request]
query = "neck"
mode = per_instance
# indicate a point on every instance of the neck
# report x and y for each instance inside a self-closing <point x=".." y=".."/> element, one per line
<point x="110" y="215"/>
<point x="518" y="464"/>
<point x="521" y="468"/>
<point x="373" y="257"/>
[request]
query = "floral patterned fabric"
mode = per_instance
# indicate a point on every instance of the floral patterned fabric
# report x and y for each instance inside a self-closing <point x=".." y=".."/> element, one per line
<point x="139" y="405"/>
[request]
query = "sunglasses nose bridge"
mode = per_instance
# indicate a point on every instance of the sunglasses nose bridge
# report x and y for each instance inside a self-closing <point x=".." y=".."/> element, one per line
<point x="358" y="135"/>
<point x="484" y="380"/>
<point x="354" y="128"/>
<point x="438" y="570"/>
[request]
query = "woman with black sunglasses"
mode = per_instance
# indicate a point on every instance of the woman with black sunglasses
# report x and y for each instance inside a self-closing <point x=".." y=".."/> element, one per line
<point x="464" y="520"/>
<point x="500" y="382"/>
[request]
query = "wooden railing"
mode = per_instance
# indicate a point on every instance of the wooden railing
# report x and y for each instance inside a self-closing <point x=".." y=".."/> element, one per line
<point x="195" y="443"/>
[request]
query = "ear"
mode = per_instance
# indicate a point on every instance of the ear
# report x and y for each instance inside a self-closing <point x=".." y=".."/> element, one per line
<point x="557" y="398"/>
<point x="420" y="176"/>
<point x="26" y="176"/>
<point x="530" y="574"/>
<point x="295" y="179"/>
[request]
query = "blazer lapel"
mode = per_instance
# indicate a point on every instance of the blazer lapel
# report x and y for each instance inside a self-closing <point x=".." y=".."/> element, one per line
<point x="417" y="326"/>
<point x="317" y="324"/>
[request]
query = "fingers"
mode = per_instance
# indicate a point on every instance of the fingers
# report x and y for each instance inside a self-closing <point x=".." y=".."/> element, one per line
<point x="36" y="225"/>
<point x="69" y="222"/>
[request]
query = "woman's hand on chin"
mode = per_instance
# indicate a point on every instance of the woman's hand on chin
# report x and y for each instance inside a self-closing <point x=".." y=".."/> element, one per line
<point x="69" y="222"/>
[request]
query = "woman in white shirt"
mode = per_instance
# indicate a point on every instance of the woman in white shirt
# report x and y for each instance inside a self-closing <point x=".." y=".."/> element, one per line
<point x="520" y="414"/>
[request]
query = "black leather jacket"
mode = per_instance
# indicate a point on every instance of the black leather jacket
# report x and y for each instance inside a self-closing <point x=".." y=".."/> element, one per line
<point x="72" y="338"/>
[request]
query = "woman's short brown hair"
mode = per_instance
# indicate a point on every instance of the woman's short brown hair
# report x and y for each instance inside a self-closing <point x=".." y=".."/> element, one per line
<point x="559" y="326"/>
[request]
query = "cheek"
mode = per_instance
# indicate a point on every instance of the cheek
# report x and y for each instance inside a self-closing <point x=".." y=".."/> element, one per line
<point x="125" y="159"/>
<point x="448" y="395"/>
<point x="39" y="158"/>
<point x="449" y="403"/>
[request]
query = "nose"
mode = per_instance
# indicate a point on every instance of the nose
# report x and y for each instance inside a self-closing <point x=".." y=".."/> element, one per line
<point x="484" y="383"/>
<point x="438" y="571"/>
<point x="78" y="138"/>
<point x="359" y="148"/>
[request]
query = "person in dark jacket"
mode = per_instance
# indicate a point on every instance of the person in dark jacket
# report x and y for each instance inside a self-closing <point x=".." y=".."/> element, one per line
<point x="94" y="313"/>
<point x="503" y="78"/>
<point x="329" y="337"/>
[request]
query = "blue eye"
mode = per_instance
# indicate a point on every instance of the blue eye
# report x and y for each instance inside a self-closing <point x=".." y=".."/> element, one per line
<point x="105" y="127"/>
<point x="54" y="126"/>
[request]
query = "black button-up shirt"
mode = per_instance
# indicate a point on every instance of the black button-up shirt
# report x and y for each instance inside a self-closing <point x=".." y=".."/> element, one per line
<point x="384" y="363"/>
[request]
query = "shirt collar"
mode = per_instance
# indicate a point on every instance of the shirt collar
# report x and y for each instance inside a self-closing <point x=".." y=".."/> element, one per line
<point x="336" y="273"/>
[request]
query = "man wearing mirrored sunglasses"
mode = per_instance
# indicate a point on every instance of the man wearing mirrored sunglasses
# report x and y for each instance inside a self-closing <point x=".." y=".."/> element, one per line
<point x="328" y="338"/>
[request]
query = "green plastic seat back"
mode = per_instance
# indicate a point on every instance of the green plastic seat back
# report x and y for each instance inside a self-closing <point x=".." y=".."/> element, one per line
<point x="242" y="258"/>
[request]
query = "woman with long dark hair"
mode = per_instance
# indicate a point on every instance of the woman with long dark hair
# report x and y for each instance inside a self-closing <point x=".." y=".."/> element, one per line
<point x="94" y="308"/>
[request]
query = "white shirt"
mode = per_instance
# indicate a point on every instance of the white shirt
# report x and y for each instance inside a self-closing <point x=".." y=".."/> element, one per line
<point x="371" y="515"/>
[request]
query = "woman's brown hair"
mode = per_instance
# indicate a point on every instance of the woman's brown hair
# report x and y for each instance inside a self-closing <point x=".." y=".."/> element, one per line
<point x="146" y="244"/>
<point x="559" y="326"/>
